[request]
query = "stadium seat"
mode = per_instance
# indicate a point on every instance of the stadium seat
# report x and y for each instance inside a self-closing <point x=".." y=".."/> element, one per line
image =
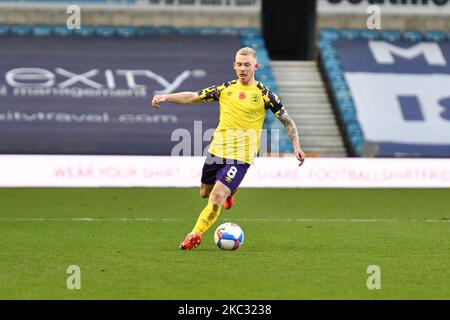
<point x="343" y="100"/>
<point x="20" y="30"/>
<point x="4" y="29"/>
<point x="349" y="34"/>
<point x="229" y="31"/>
<point x="328" y="52"/>
<point x="354" y="129"/>
<point x="332" y="63"/>
<point x="188" y="30"/>
<point x="343" y="93"/>
<point x="391" y="35"/>
<point x="146" y="31"/>
<point x="255" y="43"/>
<point x="370" y="34"/>
<point x="345" y="106"/>
<point x="329" y="34"/>
<point x="61" y="30"/>
<point x="285" y="145"/>
<point x="250" y="32"/>
<point x="125" y="31"/>
<point x="41" y="30"/>
<point x="435" y="36"/>
<point x="357" y="141"/>
<point x="349" y="117"/>
<point x="412" y="35"/>
<point x="338" y="85"/>
<point x="105" y="31"/>
<point x="166" y="30"/>
<point x="209" y="30"/>
<point x="85" y="31"/>
<point x="265" y="77"/>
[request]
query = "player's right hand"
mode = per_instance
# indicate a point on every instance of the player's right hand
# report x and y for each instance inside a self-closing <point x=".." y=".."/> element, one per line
<point x="157" y="100"/>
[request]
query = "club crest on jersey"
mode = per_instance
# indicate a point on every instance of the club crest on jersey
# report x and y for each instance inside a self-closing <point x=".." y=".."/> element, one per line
<point x="255" y="98"/>
<point x="242" y="95"/>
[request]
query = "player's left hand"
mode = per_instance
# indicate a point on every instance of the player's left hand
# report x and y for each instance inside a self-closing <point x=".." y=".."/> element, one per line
<point x="300" y="155"/>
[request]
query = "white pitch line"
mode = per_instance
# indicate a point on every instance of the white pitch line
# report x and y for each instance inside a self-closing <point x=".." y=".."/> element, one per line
<point x="148" y="219"/>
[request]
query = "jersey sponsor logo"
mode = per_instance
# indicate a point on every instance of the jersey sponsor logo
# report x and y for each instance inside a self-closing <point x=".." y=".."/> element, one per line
<point x="242" y="95"/>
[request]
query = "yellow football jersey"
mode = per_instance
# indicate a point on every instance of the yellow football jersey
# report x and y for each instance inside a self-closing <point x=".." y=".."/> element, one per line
<point x="242" y="112"/>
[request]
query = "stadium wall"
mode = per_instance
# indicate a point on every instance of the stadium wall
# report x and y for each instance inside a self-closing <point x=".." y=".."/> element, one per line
<point x="131" y="14"/>
<point x="146" y="171"/>
<point x="402" y="15"/>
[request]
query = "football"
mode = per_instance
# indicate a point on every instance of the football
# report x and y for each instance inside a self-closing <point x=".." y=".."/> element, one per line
<point x="229" y="236"/>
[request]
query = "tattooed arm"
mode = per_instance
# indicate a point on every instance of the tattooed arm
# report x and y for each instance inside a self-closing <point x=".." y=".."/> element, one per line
<point x="292" y="132"/>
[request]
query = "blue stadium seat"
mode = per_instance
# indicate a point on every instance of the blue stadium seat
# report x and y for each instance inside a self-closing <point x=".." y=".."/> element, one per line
<point x="125" y="31"/>
<point x="343" y="94"/>
<point x="349" y="34"/>
<point x="85" y="30"/>
<point x="166" y="30"/>
<point x="264" y="78"/>
<point x="250" y="32"/>
<point x="263" y="54"/>
<point x="357" y="141"/>
<point x="41" y="30"/>
<point x="435" y="36"/>
<point x="146" y="31"/>
<point x="334" y="68"/>
<point x="391" y="35"/>
<point x="229" y="31"/>
<point x="329" y="52"/>
<point x="331" y="63"/>
<point x="354" y="129"/>
<point x="413" y="35"/>
<point x="349" y="117"/>
<point x="335" y="86"/>
<point x="255" y="43"/>
<point x="285" y="145"/>
<point x="328" y="34"/>
<point x="209" y="30"/>
<point x="188" y="30"/>
<point x="20" y="30"/>
<point x="345" y="106"/>
<point x="105" y="31"/>
<point x="370" y="34"/>
<point x="343" y="99"/>
<point x="269" y="84"/>
<point x="338" y="81"/>
<point x="61" y="30"/>
<point x="4" y="29"/>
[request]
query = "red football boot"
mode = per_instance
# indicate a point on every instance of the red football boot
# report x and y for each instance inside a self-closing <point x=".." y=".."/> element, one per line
<point x="229" y="202"/>
<point x="191" y="241"/>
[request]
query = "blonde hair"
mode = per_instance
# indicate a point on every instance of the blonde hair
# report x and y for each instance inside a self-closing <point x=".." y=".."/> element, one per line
<point x="247" y="51"/>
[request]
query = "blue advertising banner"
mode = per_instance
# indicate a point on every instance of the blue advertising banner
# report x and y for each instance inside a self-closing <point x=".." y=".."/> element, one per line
<point x="401" y="94"/>
<point x="92" y="95"/>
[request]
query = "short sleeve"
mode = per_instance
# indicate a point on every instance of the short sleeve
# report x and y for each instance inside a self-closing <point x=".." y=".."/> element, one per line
<point x="211" y="93"/>
<point x="273" y="102"/>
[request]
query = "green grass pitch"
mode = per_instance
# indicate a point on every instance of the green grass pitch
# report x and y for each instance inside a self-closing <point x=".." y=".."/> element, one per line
<point x="299" y="244"/>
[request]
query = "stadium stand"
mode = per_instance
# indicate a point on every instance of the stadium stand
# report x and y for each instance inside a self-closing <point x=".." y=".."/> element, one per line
<point x="247" y="37"/>
<point x="337" y="63"/>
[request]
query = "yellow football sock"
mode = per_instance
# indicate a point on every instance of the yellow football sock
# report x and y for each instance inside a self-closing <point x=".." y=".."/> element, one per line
<point x="207" y="218"/>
